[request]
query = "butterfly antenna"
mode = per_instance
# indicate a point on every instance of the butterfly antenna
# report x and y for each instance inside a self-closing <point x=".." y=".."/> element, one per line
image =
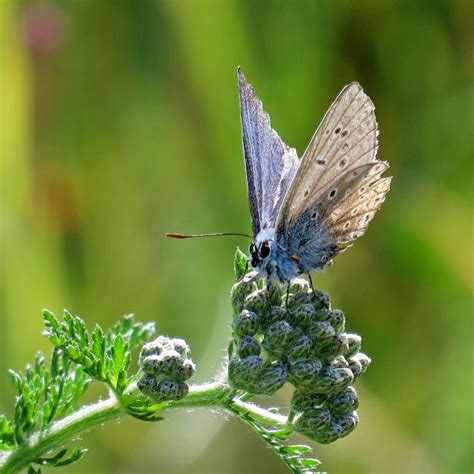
<point x="213" y="234"/>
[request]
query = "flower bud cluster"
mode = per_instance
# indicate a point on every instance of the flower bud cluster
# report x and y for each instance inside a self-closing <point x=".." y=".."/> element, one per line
<point x="166" y="367"/>
<point x="295" y="336"/>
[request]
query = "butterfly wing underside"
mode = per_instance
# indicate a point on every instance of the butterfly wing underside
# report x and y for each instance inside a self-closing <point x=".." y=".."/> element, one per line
<point x="338" y="187"/>
<point x="270" y="164"/>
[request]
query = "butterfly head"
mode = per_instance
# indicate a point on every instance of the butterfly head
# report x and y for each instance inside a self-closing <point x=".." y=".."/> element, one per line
<point x="259" y="253"/>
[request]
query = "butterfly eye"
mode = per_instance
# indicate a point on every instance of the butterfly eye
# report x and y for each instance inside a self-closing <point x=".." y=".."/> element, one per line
<point x="265" y="250"/>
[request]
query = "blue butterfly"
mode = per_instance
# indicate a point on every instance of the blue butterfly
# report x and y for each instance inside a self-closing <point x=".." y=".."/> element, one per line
<point x="305" y="211"/>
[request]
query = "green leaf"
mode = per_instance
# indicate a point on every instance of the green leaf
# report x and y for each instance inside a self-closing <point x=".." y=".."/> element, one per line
<point x="75" y="455"/>
<point x="148" y="417"/>
<point x="118" y="359"/>
<point x="240" y="263"/>
<point x="50" y="320"/>
<point x="59" y="458"/>
<point x="98" y="343"/>
<point x="298" y="448"/>
<point x="292" y="455"/>
<point x="7" y="437"/>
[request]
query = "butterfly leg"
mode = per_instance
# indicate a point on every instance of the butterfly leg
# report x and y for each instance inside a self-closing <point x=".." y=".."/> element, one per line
<point x="287" y="296"/>
<point x="310" y="282"/>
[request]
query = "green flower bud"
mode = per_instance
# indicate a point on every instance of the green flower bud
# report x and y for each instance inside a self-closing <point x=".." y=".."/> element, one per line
<point x="320" y="330"/>
<point x="276" y="337"/>
<point x="299" y="285"/>
<point x="155" y="347"/>
<point x="151" y="365"/>
<point x="303" y="315"/>
<point x="339" y="362"/>
<point x="164" y="341"/>
<point x="271" y="379"/>
<point x="186" y="370"/>
<point x="180" y="346"/>
<point x="257" y="301"/>
<point x="333" y="346"/>
<point x="356" y="367"/>
<point x="166" y="390"/>
<point x="296" y="300"/>
<point x="311" y="420"/>
<point x="322" y="314"/>
<point x="244" y="371"/>
<point x="274" y="294"/>
<point x="273" y="315"/>
<point x="147" y="385"/>
<point x="343" y="402"/>
<point x="245" y="323"/>
<point x="320" y="299"/>
<point x="241" y="289"/>
<point x="303" y="372"/>
<point x="359" y="363"/>
<point x="170" y="363"/>
<point x="354" y="341"/>
<point x="328" y="434"/>
<point x="248" y="346"/>
<point x="337" y="320"/>
<point x="162" y="391"/>
<point x="182" y="390"/>
<point x="302" y="401"/>
<point x="348" y="423"/>
<point x="299" y="346"/>
<point x="332" y="380"/>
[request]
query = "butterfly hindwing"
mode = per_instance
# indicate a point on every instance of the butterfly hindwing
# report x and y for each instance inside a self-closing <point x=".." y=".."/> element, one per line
<point x="353" y="214"/>
<point x="337" y="188"/>
<point x="270" y="164"/>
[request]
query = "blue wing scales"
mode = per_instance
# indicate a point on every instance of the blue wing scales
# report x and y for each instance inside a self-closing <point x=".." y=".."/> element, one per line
<point x="269" y="163"/>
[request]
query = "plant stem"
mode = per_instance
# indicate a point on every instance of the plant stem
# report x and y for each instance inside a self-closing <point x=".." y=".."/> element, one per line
<point x="215" y="394"/>
<point x="59" y="432"/>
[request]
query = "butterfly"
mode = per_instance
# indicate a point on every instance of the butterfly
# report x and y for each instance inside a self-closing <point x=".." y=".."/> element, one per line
<point x="306" y="211"/>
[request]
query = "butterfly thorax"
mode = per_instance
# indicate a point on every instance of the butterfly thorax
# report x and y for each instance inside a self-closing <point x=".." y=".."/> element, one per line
<point x="271" y="260"/>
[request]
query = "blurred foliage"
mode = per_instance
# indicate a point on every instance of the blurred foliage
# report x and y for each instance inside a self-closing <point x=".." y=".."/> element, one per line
<point x="119" y="121"/>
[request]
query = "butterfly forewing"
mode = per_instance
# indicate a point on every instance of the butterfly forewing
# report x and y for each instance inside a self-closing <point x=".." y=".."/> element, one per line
<point x="270" y="164"/>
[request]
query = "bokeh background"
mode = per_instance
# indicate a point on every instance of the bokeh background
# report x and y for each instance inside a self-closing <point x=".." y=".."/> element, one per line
<point x="120" y="121"/>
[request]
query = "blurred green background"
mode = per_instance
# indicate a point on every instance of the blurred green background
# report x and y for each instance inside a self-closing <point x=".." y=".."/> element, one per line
<point x="120" y="121"/>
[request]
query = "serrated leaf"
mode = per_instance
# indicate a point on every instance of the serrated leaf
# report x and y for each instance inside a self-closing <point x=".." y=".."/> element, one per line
<point x="98" y="343"/>
<point x="7" y="438"/>
<point x="283" y="433"/>
<point x="240" y="263"/>
<point x="59" y="458"/>
<point x="75" y="455"/>
<point x="292" y="456"/>
<point x="298" y="448"/>
<point x="50" y="320"/>
<point x="52" y="460"/>
<point x="73" y="352"/>
<point x="310" y="462"/>
<point x="119" y="358"/>
<point x="141" y="333"/>
<point x="148" y="417"/>
<point x="121" y="380"/>
<point x="17" y="380"/>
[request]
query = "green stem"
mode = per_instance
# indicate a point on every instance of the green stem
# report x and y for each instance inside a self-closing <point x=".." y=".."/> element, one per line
<point x="216" y="394"/>
<point x="60" y="432"/>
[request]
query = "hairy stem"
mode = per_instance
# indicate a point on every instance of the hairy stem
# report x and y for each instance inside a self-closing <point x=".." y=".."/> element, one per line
<point x="215" y="394"/>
